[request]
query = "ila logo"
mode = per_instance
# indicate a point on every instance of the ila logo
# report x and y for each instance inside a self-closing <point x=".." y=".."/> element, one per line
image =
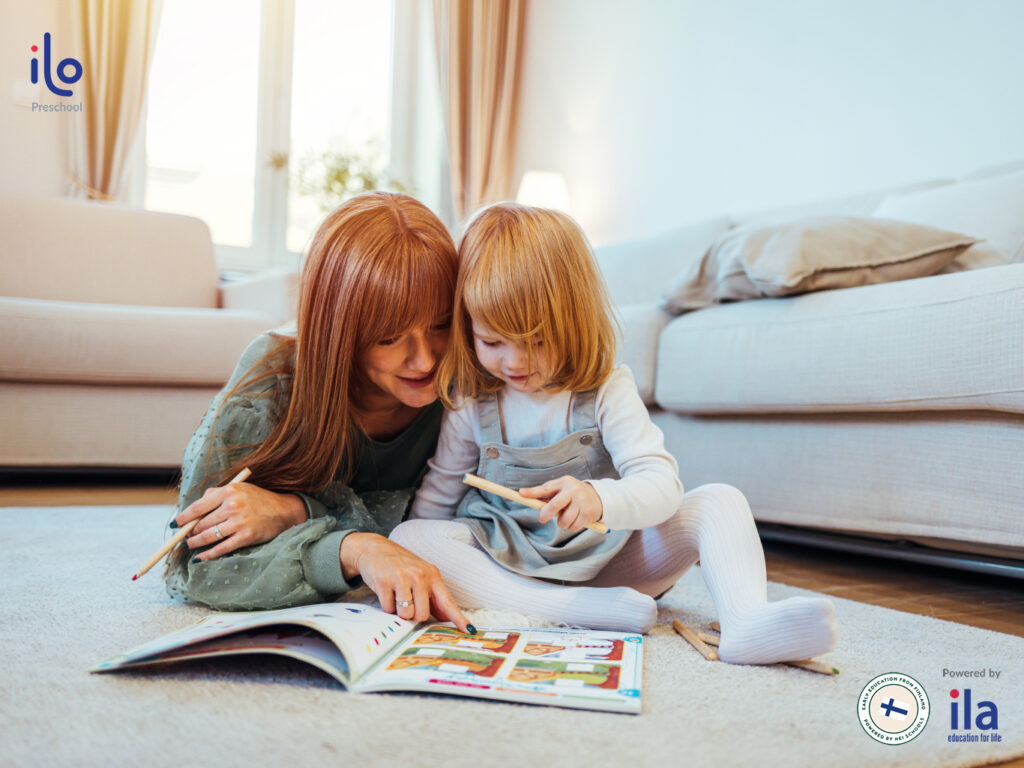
<point x="986" y="720"/>
<point x="74" y="64"/>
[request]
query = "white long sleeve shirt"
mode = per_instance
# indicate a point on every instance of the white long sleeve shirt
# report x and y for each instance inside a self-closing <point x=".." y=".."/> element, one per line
<point x="649" y="490"/>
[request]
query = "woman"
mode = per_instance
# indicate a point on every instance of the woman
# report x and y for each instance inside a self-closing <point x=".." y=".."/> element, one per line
<point x="336" y="424"/>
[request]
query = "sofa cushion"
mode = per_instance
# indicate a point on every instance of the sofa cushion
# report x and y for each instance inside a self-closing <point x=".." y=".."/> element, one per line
<point x="55" y="341"/>
<point x="69" y="425"/>
<point x="70" y="250"/>
<point x="808" y="254"/>
<point x="989" y="208"/>
<point x="941" y="342"/>
<point x="641" y="325"/>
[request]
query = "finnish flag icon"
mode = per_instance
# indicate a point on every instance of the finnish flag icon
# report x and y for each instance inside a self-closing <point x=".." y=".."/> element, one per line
<point x="894" y="709"/>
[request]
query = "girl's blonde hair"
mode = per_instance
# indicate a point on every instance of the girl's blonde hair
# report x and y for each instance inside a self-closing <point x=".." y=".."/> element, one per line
<point x="528" y="274"/>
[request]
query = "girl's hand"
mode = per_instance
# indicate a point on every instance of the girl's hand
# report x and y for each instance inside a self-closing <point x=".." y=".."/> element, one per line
<point x="396" y="575"/>
<point x="576" y="503"/>
<point x="238" y="515"/>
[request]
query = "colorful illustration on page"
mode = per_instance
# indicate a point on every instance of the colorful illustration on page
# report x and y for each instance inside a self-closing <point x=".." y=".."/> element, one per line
<point x="562" y="648"/>
<point x="566" y="674"/>
<point x="497" y="641"/>
<point x="448" y="660"/>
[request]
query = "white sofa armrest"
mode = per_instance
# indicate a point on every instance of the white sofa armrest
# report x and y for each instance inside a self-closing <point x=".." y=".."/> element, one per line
<point x="274" y="293"/>
<point x="638" y="271"/>
<point x="642" y="325"/>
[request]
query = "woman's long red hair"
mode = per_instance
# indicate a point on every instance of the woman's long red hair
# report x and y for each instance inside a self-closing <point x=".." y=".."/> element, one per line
<point x="379" y="264"/>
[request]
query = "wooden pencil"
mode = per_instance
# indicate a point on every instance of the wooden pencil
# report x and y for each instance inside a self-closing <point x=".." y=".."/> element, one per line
<point x="706" y="651"/>
<point x="810" y="664"/>
<point x="814" y="666"/>
<point x="186" y="529"/>
<point x="508" y="493"/>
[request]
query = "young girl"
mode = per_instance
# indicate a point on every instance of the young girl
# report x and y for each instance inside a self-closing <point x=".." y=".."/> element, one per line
<point x="538" y="405"/>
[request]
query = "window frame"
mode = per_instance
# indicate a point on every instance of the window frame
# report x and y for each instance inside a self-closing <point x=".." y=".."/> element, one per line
<point x="420" y="155"/>
<point x="273" y="136"/>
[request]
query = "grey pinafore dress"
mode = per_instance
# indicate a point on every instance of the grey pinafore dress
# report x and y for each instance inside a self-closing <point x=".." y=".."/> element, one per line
<point x="509" y="531"/>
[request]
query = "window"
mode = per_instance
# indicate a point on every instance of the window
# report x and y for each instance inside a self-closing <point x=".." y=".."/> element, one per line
<point x="243" y="95"/>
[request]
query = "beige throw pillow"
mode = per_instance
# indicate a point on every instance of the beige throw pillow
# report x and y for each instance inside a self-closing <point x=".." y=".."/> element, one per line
<point x="811" y="254"/>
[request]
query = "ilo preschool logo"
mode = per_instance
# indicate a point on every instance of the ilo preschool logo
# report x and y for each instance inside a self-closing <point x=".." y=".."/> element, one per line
<point x="68" y="71"/>
<point x="893" y="708"/>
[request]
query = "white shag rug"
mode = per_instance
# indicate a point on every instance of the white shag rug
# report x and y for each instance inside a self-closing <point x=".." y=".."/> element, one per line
<point x="69" y="602"/>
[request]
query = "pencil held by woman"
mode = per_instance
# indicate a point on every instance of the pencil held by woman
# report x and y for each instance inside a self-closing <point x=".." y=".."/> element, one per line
<point x="182" y="534"/>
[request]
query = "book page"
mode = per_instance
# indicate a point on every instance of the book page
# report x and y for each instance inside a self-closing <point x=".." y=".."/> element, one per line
<point x="585" y="669"/>
<point x="362" y="633"/>
<point x="302" y="643"/>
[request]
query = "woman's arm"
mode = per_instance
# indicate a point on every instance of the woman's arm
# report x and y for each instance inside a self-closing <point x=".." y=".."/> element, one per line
<point x="324" y="541"/>
<point x="312" y="561"/>
<point x="282" y="557"/>
<point x="395" y="573"/>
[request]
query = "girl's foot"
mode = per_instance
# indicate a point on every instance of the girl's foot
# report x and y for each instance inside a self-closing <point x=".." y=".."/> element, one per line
<point x="789" y="630"/>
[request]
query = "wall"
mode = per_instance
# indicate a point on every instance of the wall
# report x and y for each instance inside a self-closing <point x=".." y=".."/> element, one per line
<point x="660" y="112"/>
<point x="32" y="145"/>
<point x="665" y="111"/>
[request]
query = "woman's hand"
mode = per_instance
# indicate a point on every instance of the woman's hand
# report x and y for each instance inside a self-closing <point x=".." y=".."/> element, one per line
<point x="574" y="502"/>
<point x="238" y="515"/>
<point x="405" y="583"/>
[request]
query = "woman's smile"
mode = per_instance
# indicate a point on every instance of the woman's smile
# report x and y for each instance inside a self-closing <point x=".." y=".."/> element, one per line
<point x="418" y="382"/>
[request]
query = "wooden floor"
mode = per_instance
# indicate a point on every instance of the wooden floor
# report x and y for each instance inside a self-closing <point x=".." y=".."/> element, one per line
<point x="978" y="600"/>
<point x="973" y="599"/>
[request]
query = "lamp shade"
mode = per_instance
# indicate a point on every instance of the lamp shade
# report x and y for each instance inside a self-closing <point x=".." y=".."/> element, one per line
<point x="544" y="189"/>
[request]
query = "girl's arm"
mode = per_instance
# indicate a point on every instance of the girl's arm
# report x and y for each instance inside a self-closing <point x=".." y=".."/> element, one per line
<point x="649" y="490"/>
<point x="457" y="453"/>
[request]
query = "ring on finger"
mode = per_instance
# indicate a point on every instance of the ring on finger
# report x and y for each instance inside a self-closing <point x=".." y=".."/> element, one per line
<point x="403" y="603"/>
<point x="216" y="530"/>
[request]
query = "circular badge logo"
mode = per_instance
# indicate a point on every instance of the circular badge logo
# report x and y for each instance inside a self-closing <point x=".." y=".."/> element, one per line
<point x="893" y="708"/>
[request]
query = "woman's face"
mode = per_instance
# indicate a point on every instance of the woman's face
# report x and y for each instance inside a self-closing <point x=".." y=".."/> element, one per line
<point x="403" y="368"/>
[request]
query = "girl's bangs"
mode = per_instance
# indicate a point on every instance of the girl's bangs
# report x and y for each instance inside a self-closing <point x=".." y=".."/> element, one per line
<point x="504" y="306"/>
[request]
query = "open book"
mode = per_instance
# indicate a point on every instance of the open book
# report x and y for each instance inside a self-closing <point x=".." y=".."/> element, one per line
<point x="367" y="650"/>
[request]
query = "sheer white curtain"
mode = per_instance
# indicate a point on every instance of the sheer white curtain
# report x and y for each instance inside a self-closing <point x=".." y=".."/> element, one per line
<point x="116" y="39"/>
<point x="480" y="53"/>
<point x="418" y="142"/>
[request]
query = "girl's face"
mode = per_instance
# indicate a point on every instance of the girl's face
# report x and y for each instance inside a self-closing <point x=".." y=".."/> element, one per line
<point x="403" y="368"/>
<point x="510" y="360"/>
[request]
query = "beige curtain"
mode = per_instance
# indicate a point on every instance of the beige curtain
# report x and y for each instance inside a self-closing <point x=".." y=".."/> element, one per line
<point x="115" y="40"/>
<point x="479" y="45"/>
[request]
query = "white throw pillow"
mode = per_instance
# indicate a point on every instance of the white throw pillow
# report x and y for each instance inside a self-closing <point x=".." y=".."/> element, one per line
<point x="636" y="271"/>
<point x="991" y="209"/>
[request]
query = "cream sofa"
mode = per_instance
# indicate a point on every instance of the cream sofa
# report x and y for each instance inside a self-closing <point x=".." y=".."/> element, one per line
<point x="115" y="332"/>
<point x="892" y="414"/>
